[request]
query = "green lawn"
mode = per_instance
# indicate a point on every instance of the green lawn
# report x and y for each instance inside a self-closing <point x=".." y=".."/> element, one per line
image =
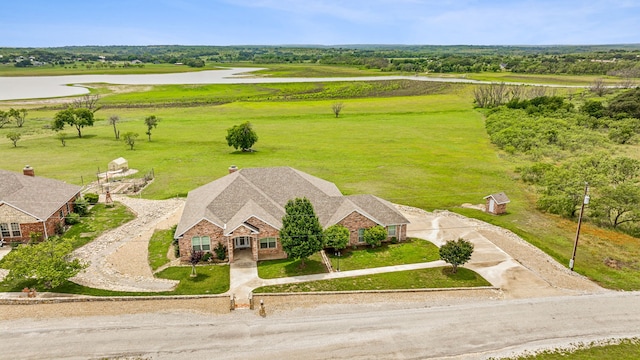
<point x="627" y="349"/>
<point x="412" y="279"/>
<point x="271" y="269"/>
<point x="210" y="280"/>
<point x="159" y="246"/>
<point x="100" y="219"/>
<point x="427" y="151"/>
<point x="410" y="252"/>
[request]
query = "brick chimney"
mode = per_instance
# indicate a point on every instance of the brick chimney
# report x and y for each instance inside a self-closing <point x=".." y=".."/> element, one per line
<point x="232" y="169"/>
<point x="28" y="171"/>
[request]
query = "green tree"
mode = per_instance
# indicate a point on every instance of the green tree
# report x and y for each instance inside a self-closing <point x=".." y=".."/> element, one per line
<point x="79" y="118"/>
<point x="152" y="123"/>
<point x="242" y="136"/>
<point x="48" y="263"/>
<point x="14" y="137"/>
<point x="336" y="237"/>
<point x="617" y="205"/>
<point x="20" y="115"/>
<point x="375" y="235"/>
<point x="301" y="233"/>
<point x="456" y="252"/>
<point x="4" y="118"/>
<point x="130" y="139"/>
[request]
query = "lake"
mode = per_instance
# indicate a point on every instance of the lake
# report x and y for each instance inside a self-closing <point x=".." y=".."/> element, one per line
<point x="38" y="87"/>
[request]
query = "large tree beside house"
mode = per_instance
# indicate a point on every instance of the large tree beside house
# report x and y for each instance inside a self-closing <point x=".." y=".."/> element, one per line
<point x="301" y="233"/>
<point x="48" y="263"/>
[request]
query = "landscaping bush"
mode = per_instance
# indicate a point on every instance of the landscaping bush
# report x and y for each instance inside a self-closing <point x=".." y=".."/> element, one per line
<point x="221" y="251"/>
<point x="72" y="219"/>
<point x="374" y="236"/>
<point x="206" y="257"/>
<point x="81" y="207"/>
<point x="91" y="198"/>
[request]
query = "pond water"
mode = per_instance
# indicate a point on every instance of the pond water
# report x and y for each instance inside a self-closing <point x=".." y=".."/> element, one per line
<point x="37" y="87"/>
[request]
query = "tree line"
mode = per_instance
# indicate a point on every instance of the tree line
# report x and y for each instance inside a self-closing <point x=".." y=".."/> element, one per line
<point x="566" y="147"/>
<point x="615" y="60"/>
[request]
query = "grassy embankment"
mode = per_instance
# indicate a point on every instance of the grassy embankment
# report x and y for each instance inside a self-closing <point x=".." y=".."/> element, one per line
<point x="428" y="151"/>
<point x="81" y="69"/>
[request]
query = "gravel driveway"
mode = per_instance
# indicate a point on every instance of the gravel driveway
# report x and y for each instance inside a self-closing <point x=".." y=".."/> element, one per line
<point x="118" y="259"/>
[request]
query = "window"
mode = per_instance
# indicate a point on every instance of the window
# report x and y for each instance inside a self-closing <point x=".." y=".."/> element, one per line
<point x="268" y="243"/>
<point x="61" y="214"/>
<point x="391" y="230"/>
<point x="360" y="235"/>
<point x="201" y="243"/>
<point x="15" y="230"/>
<point x="4" y="229"/>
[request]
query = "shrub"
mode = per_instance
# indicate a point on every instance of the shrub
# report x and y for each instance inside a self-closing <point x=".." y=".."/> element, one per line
<point x="221" y="251"/>
<point x="176" y="248"/>
<point x="91" y="198"/>
<point x="394" y="240"/>
<point x="374" y="236"/>
<point x="81" y="207"/>
<point x="72" y="219"/>
<point x="206" y="257"/>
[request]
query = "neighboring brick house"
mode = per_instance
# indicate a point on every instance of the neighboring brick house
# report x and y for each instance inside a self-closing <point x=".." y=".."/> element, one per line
<point x="244" y="210"/>
<point x="30" y="204"/>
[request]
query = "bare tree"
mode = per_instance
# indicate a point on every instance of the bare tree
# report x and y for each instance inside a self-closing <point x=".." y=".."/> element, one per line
<point x="598" y="87"/>
<point x="337" y="107"/>
<point x="88" y="101"/>
<point x="113" y="120"/>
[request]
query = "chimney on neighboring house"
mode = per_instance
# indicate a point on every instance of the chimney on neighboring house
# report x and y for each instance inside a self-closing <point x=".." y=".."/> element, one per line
<point x="232" y="169"/>
<point x="28" y="171"/>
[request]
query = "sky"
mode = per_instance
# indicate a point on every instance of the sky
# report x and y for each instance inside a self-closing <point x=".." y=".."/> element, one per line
<point x="47" y="23"/>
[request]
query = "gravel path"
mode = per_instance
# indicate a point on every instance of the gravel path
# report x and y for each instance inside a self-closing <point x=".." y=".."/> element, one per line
<point x="118" y="259"/>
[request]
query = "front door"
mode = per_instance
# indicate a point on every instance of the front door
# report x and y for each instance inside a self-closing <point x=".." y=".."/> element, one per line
<point x="242" y="242"/>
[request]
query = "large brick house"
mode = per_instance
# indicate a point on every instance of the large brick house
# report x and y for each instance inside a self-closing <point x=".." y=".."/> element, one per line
<point x="244" y="210"/>
<point x="30" y="204"/>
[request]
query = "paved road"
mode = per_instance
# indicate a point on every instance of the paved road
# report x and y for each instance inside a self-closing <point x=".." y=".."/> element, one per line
<point x="469" y="331"/>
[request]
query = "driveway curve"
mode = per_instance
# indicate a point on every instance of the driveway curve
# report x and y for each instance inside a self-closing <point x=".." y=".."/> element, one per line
<point x="118" y="259"/>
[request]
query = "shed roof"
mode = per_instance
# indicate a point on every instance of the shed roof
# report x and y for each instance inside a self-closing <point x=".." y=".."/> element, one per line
<point x="118" y="161"/>
<point x="500" y="198"/>
<point x="37" y="196"/>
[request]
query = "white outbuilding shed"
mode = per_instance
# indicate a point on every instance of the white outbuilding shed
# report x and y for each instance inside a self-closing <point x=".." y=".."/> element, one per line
<point x="119" y="164"/>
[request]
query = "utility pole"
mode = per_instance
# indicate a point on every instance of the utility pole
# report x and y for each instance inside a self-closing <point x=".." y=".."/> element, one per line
<point x="585" y="201"/>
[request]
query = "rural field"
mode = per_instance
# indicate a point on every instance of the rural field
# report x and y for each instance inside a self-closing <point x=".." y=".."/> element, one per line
<point x="418" y="145"/>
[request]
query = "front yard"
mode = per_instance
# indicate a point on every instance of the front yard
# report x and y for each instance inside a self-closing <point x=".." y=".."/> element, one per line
<point x="412" y="279"/>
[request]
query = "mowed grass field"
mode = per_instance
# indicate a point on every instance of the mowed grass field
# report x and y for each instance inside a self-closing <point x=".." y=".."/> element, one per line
<point x="427" y="151"/>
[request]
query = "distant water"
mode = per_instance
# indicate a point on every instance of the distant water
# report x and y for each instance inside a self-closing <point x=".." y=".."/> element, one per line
<point x="38" y="87"/>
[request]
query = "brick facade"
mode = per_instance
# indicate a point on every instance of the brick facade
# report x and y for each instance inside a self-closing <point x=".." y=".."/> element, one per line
<point x="356" y="221"/>
<point x="203" y="228"/>
<point x="498" y="209"/>
<point x="29" y="224"/>
<point x="353" y="222"/>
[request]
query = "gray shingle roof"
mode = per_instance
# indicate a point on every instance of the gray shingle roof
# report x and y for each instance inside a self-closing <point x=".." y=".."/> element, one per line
<point x="500" y="198"/>
<point x="263" y="192"/>
<point x="37" y="196"/>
